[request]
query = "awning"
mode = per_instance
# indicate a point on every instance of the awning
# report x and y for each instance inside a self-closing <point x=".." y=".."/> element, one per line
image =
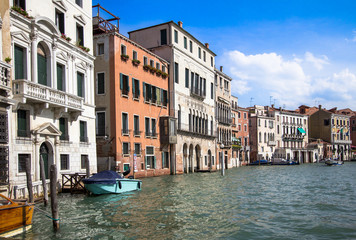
<point x="301" y="130"/>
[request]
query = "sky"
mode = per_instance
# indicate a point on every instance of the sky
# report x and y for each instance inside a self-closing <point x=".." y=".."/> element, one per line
<point x="280" y="52"/>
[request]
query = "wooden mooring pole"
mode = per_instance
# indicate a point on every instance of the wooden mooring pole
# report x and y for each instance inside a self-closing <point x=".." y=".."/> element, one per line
<point x="54" y="201"/>
<point x="29" y="180"/>
<point x="87" y="167"/>
<point x="44" y="184"/>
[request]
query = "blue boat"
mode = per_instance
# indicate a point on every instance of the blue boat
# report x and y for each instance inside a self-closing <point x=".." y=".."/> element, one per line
<point x="110" y="182"/>
<point x="260" y="162"/>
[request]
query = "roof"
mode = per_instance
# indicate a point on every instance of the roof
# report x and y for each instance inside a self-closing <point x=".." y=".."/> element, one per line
<point x="222" y="73"/>
<point x="182" y="29"/>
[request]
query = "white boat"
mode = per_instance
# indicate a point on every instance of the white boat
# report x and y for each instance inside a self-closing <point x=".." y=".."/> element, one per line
<point x="333" y="162"/>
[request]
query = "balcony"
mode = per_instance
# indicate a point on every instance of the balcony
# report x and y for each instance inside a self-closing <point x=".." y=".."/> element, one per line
<point x="5" y="77"/>
<point x="30" y="92"/>
<point x="189" y="129"/>
<point x="168" y="130"/>
<point x="271" y="143"/>
<point x="197" y="92"/>
<point x="224" y="120"/>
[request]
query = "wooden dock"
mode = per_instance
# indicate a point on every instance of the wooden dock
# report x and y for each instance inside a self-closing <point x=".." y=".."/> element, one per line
<point x="72" y="182"/>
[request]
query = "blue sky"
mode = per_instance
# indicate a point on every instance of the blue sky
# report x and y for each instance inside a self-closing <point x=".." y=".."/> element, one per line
<point x="285" y="52"/>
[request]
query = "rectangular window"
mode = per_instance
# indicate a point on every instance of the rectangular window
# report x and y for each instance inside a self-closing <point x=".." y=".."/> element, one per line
<point x="80" y="84"/>
<point x="134" y="55"/>
<point x="145" y="61"/>
<point x="212" y="61"/>
<point x="163" y="37"/>
<point x="152" y="63"/>
<point x="23" y="123"/>
<point x="204" y="56"/>
<point x="125" y="148"/>
<point x="136" y="88"/>
<point x="124" y="84"/>
<point x="164" y="98"/>
<point x="153" y="127"/>
<point x="123" y="49"/>
<point x="136" y="125"/>
<point x="165" y="160"/>
<point x="4" y="134"/>
<point x="83" y="131"/>
<point x="79" y="3"/>
<point x="137" y="148"/>
<point x="150" y="158"/>
<point x="60" y="77"/>
<point x="100" y="49"/>
<point x="83" y="159"/>
<point x="20" y="60"/>
<point x="63" y="127"/>
<point x="163" y="68"/>
<point x="100" y="123"/>
<point x="158" y="66"/>
<point x="147" y="127"/>
<point x="100" y="87"/>
<point x="176" y="72"/>
<point x="175" y="36"/>
<point x="191" y="46"/>
<point x="125" y="124"/>
<point x="20" y="3"/>
<point x="64" y="161"/>
<point x="22" y="162"/>
<point x="245" y="115"/>
<point x="199" y="52"/>
<point x="187" y="78"/>
<point x="185" y="43"/>
<point x="80" y="35"/>
<point x="60" y="21"/>
<point x="212" y="90"/>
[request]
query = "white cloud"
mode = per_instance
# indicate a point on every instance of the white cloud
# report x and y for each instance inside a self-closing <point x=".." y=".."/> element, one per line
<point x="317" y="62"/>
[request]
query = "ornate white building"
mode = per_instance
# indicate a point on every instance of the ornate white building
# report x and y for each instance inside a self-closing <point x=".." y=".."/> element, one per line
<point x="52" y="84"/>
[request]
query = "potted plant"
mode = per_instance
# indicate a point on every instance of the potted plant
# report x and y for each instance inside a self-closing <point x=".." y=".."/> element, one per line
<point x="164" y="75"/>
<point x="124" y="57"/>
<point x="146" y="67"/>
<point x="153" y="69"/>
<point x="136" y="62"/>
<point x="158" y="72"/>
<point x="7" y="59"/>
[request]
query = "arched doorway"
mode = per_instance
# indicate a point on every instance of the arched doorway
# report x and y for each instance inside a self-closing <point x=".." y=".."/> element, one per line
<point x="209" y="160"/>
<point x="197" y="157"/>
<point x="46" y="153"/>
<point x="190" y="159"/>
<point x="185" y="158"/>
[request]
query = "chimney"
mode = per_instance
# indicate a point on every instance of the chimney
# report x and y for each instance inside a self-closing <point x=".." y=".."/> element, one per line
<point x="207" y="45"/>
<point x="319" y="107"/>
<point x="180" y="24"/>
<point x="221" y="68"/>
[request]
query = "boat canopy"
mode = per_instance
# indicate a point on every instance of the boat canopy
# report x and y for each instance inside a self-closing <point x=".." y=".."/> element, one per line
<point x="301" y="130"/>
<point x="104" y="177"/>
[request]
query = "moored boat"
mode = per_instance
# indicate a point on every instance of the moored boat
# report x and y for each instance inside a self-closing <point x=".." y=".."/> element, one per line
<point x="260" y="162"/>
<point x="15" y="218"/>
<point x="333" y="162"/>
<point x="110" y="182"/>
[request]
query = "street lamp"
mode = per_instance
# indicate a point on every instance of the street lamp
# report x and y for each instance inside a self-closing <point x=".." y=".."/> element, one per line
<point x="222" y="160"/>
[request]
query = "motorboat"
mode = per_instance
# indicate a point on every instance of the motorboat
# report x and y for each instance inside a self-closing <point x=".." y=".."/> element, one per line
<point x="333" y="162"/>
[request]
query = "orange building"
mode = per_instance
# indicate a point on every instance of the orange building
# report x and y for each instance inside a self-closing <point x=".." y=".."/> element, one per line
<point x="131" y="101"/>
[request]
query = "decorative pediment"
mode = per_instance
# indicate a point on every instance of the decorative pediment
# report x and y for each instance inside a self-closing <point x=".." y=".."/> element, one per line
<point x="80" y="18"/>
<point x="47" y="129"/>
<point x="82" y="65"/>
<point x="47" y="24"/>
<point x="62" y="55"/>
<point x="60" y="4"/>
<point x="20" y="35"/>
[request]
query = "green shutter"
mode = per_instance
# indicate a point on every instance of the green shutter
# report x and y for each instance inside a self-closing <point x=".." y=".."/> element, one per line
<point x="42" y="69"/>
<point x="121" y="82"/>
<point x="163" y="160"/>
<point x="138" y="87"/>
<point x="144" y="90"/>
<point x="22" y="123"/>
<point x="82" y="131"/>
<point x="101" y="83"/>
<point x="62" y="126"/>
<point x="128" y="85"/>
<point x="145" y="162"/>
<point x="154" y="162"/>
<point x="19" y="60"/>
<point x="80" y="84"/>
<point x="149" y="92"/>
<point x="59" y="77"/>
<point x="133" y="85"/>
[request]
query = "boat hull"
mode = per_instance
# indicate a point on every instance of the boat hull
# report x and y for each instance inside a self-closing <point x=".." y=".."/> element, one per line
<point x="121" y="186"/>
<point x="330" y="162"/>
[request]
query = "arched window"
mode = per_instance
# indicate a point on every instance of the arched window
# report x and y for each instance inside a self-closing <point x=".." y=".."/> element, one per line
<point x="42" y="65"/>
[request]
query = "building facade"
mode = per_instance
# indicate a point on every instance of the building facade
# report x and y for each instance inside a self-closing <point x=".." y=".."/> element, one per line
<point x="191" y="93"/>
<point x="131" y="103"/>
<point x="223" y="117"/>
<point x="52" y="86"/>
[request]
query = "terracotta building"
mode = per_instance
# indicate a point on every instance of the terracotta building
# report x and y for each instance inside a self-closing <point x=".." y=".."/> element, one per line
<point x="131" y="97"/>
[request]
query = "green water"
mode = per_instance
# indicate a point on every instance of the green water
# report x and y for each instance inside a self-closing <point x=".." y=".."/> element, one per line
<point x="310" y="201"/>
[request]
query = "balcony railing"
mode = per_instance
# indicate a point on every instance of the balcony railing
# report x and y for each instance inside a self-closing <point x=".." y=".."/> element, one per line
<point x="203" y="132"/>
<point x="197" y="92"/>
<point x="224" y="120"/>
<point x="5" y="76"/>
<point x="34" y="92"/>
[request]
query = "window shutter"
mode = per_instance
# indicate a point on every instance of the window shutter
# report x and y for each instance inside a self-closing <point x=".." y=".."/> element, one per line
<point x="144" y="90"/>
<point x="138" y="87"/>
<point x="145" y="162"/>
<point x="42" y="69"/>
<point x="19" y="60"/>
<point x="59" y="77"/>
<point x="149" y="90"/>
<point x="163" y="160"/>
<point x="154" y="161"/>
<point x="133" y="85"/>
<point x="80" y="84"/>
<point x="128" y="85"/>
<point x="121" y="81"/>
<point x="162" y="100"/>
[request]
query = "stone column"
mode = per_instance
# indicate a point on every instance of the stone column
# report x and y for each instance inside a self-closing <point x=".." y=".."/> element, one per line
<point x="34" y="42"/>
<point x="54" y="66"/>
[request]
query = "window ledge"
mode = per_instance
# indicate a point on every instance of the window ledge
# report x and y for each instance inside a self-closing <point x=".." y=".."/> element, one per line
<point x="136" y="99"/>
<point x="137" y="136"/>
<point x="126" y="155"/>
<point x="124" y="95"/>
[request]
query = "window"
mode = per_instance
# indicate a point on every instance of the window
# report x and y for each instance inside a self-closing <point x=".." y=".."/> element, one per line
<point x="100" y="87"/>
<point x="152" y="63"/>
<point x="245" y="115"/>
<point x="83" y="159"/>
<point x="163" y="68"/>
<point x="59" y="21"/>
<point x="326" y="122"/>
<point x="176" y="72"/>
<point x="147" y="127"/>
<point x="100" y="123"/>
<point x="80" y="35"/>
<point x="137" y="148"/>
<point x="212" y="90"/>
<point x="20" y="3"/>
<point x="20" y="60"/>
<point x="212" y="61"/>
<point x="83" y="131"/>
<point x="60" y="77"/>
<point x="164" y="97"/>
<point x="204" y="56"/>
<point x="145" y="61"/>
<point x="63" y="127"/>
<point x="191" y="46"/>
<point x="42" y="65"/>
<point x="165" y="160"/>
<point x="134" y="55"/>
<point x="4" y="134"/>
<point x="124" y="84"/>
<point x="150" y="158"/>
<point x="199" y="52"/>
<point x="239" y="128"/>
<point x="185" y="43"/>
<point x="125" y="148"/>
<point x="245" y="127"/>
<point x="153" y="127"/>
<point x="123" y="49"/>
<point x="100" y="49"/>
<point x="259" y="137"/>
<point x="80" y="84"/>
<point x="23" y="123"/>
<point x="22" y="162"/>
<point x="125" y="124"/>
<point x="175" y="36"/>
<point x="163" y="37"/>
<point x="187" y="78"/>
<point x="158" y="66"/>
<point x="126" y="166"/>
<point x="136" y="88"/>
<point x="136" y="125"/>
<point x="64" y="161"/>
<point x="79" y="3"/>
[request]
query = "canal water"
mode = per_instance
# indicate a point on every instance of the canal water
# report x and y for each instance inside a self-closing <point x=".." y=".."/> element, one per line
<point x="309" y="201"/>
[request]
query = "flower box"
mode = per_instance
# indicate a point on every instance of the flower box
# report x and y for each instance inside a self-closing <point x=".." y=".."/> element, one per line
<point x="124" y="57"/>
<point x="136" y="62"/>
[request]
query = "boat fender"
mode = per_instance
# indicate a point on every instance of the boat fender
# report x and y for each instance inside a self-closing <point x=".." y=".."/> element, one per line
<point x="138" y="185"/>
<point x="119" y="184"/>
